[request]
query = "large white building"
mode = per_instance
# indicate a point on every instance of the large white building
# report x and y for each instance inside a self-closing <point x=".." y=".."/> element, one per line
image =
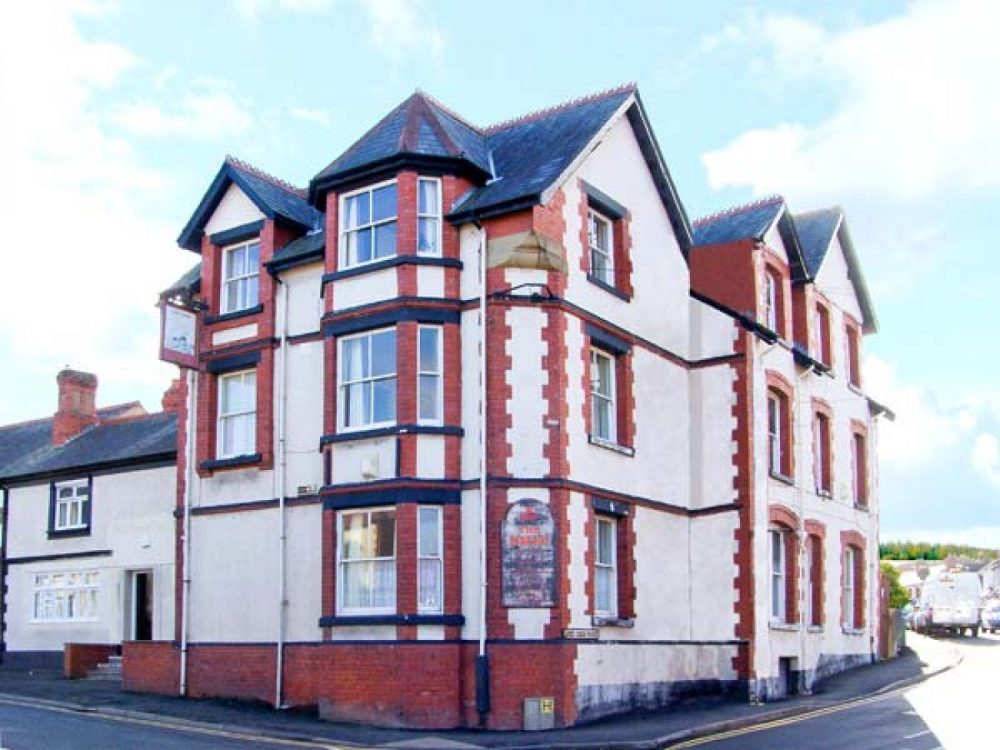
<point x="553" y="513"/>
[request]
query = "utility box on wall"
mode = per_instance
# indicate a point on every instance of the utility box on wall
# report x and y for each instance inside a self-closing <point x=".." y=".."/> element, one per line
<point x="539" y="713"/>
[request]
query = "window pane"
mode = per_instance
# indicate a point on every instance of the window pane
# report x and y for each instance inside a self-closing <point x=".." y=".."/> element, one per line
<point x="385" y="240"/>
<point x="251" y="291"/>
<point x="429" y="400"/>
<point x="354" y="585"/>
<point x="430" y="532"/>
<point x="429" y="338"/>
<point x="384" y="203"/>
<point x="427" y="235"/>
<point x="354" y="358"/>
<point x="253" y="257"/>
<point x="383" y="353"/>
<point x="602" y="418"/>
<point x="384" y="533"/>
<point x="61" y="515"/>
<point x="427" y="202"/>
<point x="384" y="400"/>
<point x="605" y="543"/>
<point x="65" y="492"/>
<point x="602" y="375"/>
<point x="356" y="211"/>
<point x="354" y="528"/>
<point x="383" y="595"/>
<point x="429" y="585"/>
<point x="603" y="580"/>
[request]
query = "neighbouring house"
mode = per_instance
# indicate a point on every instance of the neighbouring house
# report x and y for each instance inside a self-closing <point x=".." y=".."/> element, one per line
<point x="478" y="407"/>
<point x="989" y="574"/>
<point x="809" y="480"/>
<point x="88" y="526"/>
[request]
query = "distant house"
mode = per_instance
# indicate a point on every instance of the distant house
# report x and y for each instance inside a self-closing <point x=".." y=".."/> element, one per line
<point x="989" y="574"/>
<point x="88" y="499"/>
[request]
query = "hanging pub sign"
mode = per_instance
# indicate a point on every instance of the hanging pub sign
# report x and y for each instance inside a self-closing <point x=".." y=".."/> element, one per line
<point x="178" y="335"/>
<point x="529" y="555"/>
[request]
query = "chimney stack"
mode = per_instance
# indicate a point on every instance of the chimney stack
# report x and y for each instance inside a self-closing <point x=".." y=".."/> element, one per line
<point x="77" y="410"/>
<point x="174" y="396"/>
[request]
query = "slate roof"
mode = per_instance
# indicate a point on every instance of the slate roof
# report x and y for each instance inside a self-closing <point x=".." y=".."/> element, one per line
<point x="419" y="126"/>
<point x="26" y="449"/>
<point x="299" y="249"/>
<point x="816" y="232"/>
<point x="273" y="197"/>
<point x="750" y="222"/>
<point x="189" y="284"/>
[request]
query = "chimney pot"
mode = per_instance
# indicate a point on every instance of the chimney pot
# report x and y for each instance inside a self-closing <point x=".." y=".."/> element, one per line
<point x="77" y="408"/>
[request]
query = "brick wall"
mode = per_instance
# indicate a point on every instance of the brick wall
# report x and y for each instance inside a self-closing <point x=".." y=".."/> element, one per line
<point x="151" y="667"/>
<point x="80" y="658"/>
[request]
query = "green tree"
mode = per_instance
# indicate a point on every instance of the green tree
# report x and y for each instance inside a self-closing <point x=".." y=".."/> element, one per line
<point x="898" y="598"/>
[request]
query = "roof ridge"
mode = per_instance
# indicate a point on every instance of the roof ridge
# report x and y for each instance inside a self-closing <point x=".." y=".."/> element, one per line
<point x="134" y="418"/>
<point x="258" y="172"/>
<point x="448" y="110"/>
<point x="738" y="209"/>
<point x="540" y="113"/>
<point x="39" y="420"/>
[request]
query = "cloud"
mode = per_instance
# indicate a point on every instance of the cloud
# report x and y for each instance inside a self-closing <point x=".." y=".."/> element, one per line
<point x="401" y="28"/>
<point x="316" y="116"/>
<point x="986" y="458"/>
<point x="252" y="10"/>
<point x="203" y="114"/>
<point x="86" y="261"/>
<point x="911" y="112"/>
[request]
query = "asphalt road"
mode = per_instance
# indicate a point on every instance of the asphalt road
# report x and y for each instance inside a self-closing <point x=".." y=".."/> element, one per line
<point x="30" y="728"/>
<point x="953" y="711"/>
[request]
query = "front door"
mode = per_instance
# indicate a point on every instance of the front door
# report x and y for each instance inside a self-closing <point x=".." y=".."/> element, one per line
<point x="142" y="606"/>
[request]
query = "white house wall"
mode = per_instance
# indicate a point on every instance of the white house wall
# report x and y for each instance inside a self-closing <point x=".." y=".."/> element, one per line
<point x="234" y="210"/>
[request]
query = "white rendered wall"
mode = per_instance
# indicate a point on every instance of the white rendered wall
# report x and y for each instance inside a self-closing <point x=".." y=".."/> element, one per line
<point x="304" y="415"/>
<point x="234" y="210"/>
<point x="376" y="286"/>
<point x="304" y="298"/>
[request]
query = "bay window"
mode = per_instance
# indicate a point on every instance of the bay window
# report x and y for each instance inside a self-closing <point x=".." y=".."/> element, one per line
<point x="430" y="562"/>
<point x="367" y="380"/>
<point x="240" y="276"/>
<point x="368" y="225"/>
<point x="237" y="417"/>
<point x="428" y="216"/>
<point x="429" y="368"/>
<point x="367" y="561"/>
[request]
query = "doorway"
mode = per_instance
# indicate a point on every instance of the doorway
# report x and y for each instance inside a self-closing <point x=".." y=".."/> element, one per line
<point x="141" y="609"/>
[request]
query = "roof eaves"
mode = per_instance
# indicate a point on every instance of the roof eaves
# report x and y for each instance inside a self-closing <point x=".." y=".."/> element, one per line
<point x="190" y="236"/>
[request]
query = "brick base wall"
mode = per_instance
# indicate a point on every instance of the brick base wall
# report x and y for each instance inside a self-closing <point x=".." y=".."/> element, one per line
<point x="151" y="667"/>
<point x="80" y="658"/>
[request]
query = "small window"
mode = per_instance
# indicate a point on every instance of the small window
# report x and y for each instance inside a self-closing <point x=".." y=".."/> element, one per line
<point x="367" y="560"/>
<point x="823" y="335"/>
<point x="849" y="587"/>
<point x="430" y="572"/>
<point x="772" y="300"/>
<point x="237" y="427"/>
<point x="368" y="225"/>
<point x="853" y="356"/>
<point x="368" y="380"/>
<point x="604" y="415"/>
<point x="600" y="236"/>
<point x="428" y="216"/>
<point x="824" y="480"/>
<point x="65" y="597"/>
<point x="778" y="573"/>
<point x="71" y="510"/>
<point x="814" y="597"/>
<point x="606" y="569"/>
<point x="240" y="276"/>
<point x="775" y="431"/>
<point x="429" y="375"/>
<point x="860" y="461"/>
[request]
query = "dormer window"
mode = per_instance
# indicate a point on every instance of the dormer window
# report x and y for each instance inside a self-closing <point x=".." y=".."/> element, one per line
<point x="601" y="240"/>
<point x="368" y="225"/>
<point x="428" y="216"/>
<point x="240" y="276"/>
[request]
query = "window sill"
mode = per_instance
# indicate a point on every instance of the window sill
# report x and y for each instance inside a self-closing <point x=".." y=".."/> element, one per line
<point x="613" y="290"/>
<point x="396" y="429"/>
<point x="68" y="533"/>
<point x="396" y="260"/>
<point x="235" y="314"/>
<point x="600" y="442"/>
<point x="784" y="627"/>
<point x="853" y="631"/>
<point x="235" y="462"/>
<point x="815" y="629"/>
<point x="856" y="388"/>
<point x="826" y="494"/>
<point x="602" y="621"/>
<point x="332" y="621"/>
<point x="863" y="507"/>
<point x="782" y="478"/>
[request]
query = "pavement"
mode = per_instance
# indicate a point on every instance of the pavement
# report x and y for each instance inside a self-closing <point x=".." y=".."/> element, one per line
<point x="923" y="658"/>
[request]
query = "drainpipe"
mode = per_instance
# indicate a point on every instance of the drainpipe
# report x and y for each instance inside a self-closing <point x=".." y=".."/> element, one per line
<point x="3" y="569"/>
<point x="189" y="478"/>
<point x="800" y="492"/>
<point x="279" y="487"/>
<point x="482" y="661"/>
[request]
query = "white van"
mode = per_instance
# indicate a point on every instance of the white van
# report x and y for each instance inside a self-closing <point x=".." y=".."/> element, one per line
<point x="951" y="602"/>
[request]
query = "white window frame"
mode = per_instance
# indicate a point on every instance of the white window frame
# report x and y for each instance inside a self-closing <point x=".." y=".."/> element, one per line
<point x="222" y="416"/>
<point x="372" y="224"/>
<point x="609" y="400"/>
<point x="81" y="596"/>
<point x="342" y="384"/>
<point x="436" y="216"/>
<point x="823" y="458"/>
<point x="860" y="477"/>
<point x="849" y="586"/>
<point x="432" y="557"/>
<point x="774" y="433"/>
<point x="342" y="563"/>
<point x="75" y="500"/>
<point x="229" y="305"/>
<point x="595" y="218"/>
<point x="609" y="566"/>
<point x="779" y="572"/>
<point x="437" y="373"/>
<point x="771" y="300"/>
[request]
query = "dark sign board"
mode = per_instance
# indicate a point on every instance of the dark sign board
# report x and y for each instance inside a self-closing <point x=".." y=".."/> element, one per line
<point x="529" y="555"/>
